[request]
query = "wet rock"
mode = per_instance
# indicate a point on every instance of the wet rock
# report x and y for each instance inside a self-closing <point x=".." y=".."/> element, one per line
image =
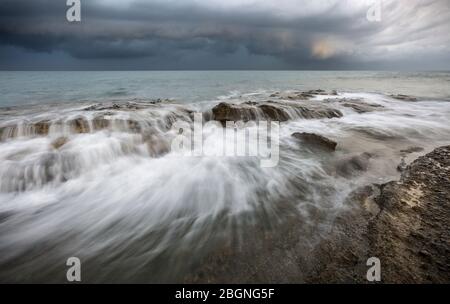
<point x="125" y="106"/>
<point x="414" y="219"/>
<point x="8" y="132"/>
<point x="100" y="122"/>
<point x="316" y="92"/>
<point x="276" y="94"/>
<point x="354" y="165"/>
<point x="404" y="224"/>
<point x="42" y="127"/>
<point x="410" y="150"/>
<point x="316" y="141"/>
<point x="361" y="107"/>
<point x="133" y="126"/>
<point x="316" y="112"/>
<point x="181" y="114"/>
<point x="292" y="95"/>
<point x="274" y="113"/>
<point x="156" y="145"/>
<point x="404" y="97"/>
<point x="358" y="105"/>
<point x="296" y="95"/>
<point x="59" y="142"/>
<point x="79" y="125"/>
<point x="382" y="135"/>
<point x="224" y="112"/>
<point x="402" y="166"/>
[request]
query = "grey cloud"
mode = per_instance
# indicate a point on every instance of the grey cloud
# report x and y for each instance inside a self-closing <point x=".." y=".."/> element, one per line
<point x="159" y="34"/>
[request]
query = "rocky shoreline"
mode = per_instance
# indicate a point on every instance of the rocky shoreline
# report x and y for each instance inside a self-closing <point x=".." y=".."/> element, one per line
<point x="403" y="223"/>
<point x="332" y="144"/>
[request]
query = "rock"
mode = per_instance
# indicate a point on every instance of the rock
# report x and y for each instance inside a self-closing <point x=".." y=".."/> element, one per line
<point x="276" y="94"/>
<point x="156" y="145"/>
<point x="351" y="166"/>
<point x="414" y="219"/>
<point x="269" y="110"/>
<point x="404" y="97"/>
<point x="358" y="105"/>
<point x="301" y="95"/>
<point x="411" y="150"/>
<point x="315" y="140"/>
<point x="133" y="126"/>
<point x="125" y="106"/>
<point x="382" y="135"/>
<point x="361" y="107"/>
<point x="8" y="132"/>
<point x="79" y="125"/>
<point x="316" y="92"/>
<point x="316" y="112"/>
<point x="224" y="112"/>
<point x="402" y="166"/>
<point x="42" y="127"/>
<point x="403" y="223"/>
<point x="274" y="113"/>
<point x="59" y="142"/>
<point x="100" y="122"/>
<point x="292" y="95"/>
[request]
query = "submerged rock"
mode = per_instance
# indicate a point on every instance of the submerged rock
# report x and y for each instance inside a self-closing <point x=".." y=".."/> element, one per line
<point x="316" y="141"/>
<point x="301" y="95"/>
<point x="125" y="106"/>
<point x="59" y="142"/>
<point x="8" y="132"/>
<point x="404" y="97"/>
<point x="358" y="105"/>
<point x="156" y="145"/>
<point x="402" y="166"/>
<point x="411" y="150"/>
<point x="350" y="166"/>
<point x="79" y="125"/>
<point x="101" y="122"/>
<point x="376" y="133"/>
<point x="361" y="107"/>
<point x="42" y="127"/>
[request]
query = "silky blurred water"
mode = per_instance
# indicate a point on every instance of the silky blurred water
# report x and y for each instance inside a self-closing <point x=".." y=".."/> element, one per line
<point x="134" y="211"/>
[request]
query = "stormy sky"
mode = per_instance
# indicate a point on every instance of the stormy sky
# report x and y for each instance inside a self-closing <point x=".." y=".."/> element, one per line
<point x="225" y="34"/>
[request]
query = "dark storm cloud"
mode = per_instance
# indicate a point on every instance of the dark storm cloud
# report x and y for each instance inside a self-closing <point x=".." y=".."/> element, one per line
<point x="211" y="34"/>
